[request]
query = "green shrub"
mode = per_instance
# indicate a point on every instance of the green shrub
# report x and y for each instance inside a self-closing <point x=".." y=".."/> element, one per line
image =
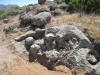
<point x="31" y="5"/>
<point x="10" y="12"/>
<point x="83" y="5"/>
<point x="1" y="12"/>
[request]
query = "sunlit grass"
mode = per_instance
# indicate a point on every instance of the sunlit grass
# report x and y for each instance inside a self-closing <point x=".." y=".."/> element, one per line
<point x="86" y="20"/>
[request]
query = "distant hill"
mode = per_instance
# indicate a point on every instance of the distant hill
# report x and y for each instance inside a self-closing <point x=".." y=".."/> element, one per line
<point x="5" y="7"/>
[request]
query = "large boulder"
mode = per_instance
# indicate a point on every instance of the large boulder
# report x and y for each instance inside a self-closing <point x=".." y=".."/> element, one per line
<point x="53" y="7"/>
<point x="29" y="41"/>
<point x="33" y="8"/>
<point x="48" y="41"/>
<point x="5" y="20"/>
<point x="56" y="12"/>
<point x="62" y="6"/>
<point x="41" y="19"/>
<point x="42" y="10"/>
<point x="74" y="49"/>
<point x="39" y="33"/>
<point x="26" y="35"/>
<point x="41" y="1"/>
<point x="10" y="27"/>
<point x="53" y="55"/>
<point x="25" y="19"/>
<point x="70" y="36"/>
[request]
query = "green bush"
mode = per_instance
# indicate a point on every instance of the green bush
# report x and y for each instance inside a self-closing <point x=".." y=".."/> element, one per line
<point x="10" y="12"/>
<point x="84" y="5"/>
<point x="1" y="12"/>
<point x="87" y="6"/>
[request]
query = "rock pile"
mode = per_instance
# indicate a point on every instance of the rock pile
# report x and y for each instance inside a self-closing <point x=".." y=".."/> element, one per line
<point x="62" y="45"/>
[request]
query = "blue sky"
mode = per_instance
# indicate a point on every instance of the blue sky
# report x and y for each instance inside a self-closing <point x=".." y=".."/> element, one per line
<point x="18" y="2"/>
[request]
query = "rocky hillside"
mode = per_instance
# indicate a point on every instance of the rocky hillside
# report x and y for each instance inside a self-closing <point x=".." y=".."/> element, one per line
<point x="47" y="40"/>
<point x="5" y="7"/>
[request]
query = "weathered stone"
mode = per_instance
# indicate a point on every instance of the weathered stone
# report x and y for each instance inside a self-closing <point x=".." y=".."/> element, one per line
<point x="92" y="59"/>
<point x="77" y="59"/>
<point x="10" y="27"/>
<point x="39" y="33"/>
<point x="53" y="7"/>
<point x="42" y="10"/>
<point x="25" y="19"/>
<point x="29" y="41"/>
<point x="62" y="6"/>
<point x="29" y="8"/>
<point x="56" y="12"/>
<point x="53" y="55"/>
<point x="26" y="35"/>
<point x="97" y="46"/>
<point x="41" y="1"/>
<point x="33" y="52"/>
<point x="41" y="19"/>
<point x="48" y="41"/>
<point x="5" y="20"/>
<point x="72" y="36"/>
<point x="59" y="42"/>
<point x="34" y="49"/>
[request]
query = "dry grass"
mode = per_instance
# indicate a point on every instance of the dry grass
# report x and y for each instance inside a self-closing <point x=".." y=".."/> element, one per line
<point x="86" y="20"/>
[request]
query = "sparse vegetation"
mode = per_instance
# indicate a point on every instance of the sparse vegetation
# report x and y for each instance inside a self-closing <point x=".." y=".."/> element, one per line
<point x="88" y="6"/>
<point x="13" y="11"/>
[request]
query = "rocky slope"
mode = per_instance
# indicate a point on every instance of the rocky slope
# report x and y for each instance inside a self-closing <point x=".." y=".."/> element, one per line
<point x="36" y="45"/>
<point x="5" y="7"/>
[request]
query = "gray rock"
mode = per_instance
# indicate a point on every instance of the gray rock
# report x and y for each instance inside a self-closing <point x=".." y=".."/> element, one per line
<point x="25" y="19"/>
<point x="34" y="49"/>
<point x="41" y="19"/>
<point x="26" y="35"/>
<point x="33" y="8"/>
<point x="53" y="7"/>
<point x="53" y="55"/>
<point x="48" y="41"/>
<point x="10" y="27"/>
<point x="29" y="8"/>
<point x="39" y="33"/>
<point x="89" y="35"/>
<point x="5" y="20"/>
<point x="77" y="59"/>
<point x="71" y="37"/>
<point x="33" y="52"/>
<point x="29" y="41"/>
<point x="97" y="21"/>
<point x="62" y="6"/>
<point x="92" y="59"/>
<point x="97" y="46"/>
<point x="42" y="10"/>
<point x="59" y="42"/>
<point x="56" y="12"/>
<point x="41" y="1"/>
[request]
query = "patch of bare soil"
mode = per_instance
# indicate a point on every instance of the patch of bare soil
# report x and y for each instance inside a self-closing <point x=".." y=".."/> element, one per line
<point x="23" y="67"/>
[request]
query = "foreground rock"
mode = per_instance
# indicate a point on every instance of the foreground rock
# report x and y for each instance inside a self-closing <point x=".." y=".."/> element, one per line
<point x="71" y="37"/>
<point x="39" y="33"/>
<point x="29" y="41"/>
<point x="5" y="20"/>
<point x="41" y="1"/>
<point x="41" y="19"/>
<point x="26" y="35"/>
<point x="42" y="10"/>
<point x="73" y="48"/>
<point x="25" y="19"/>
<point x="10" y="27"/>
